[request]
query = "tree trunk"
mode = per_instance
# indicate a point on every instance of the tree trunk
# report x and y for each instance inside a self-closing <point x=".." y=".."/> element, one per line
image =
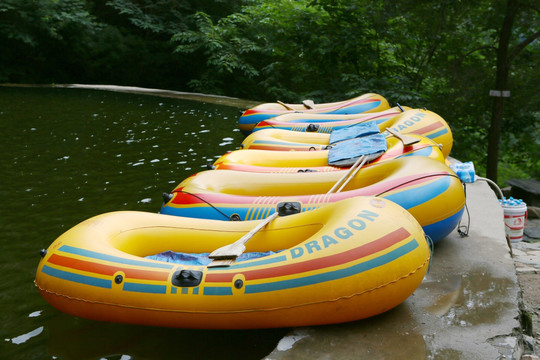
<point x="501" y="81"/>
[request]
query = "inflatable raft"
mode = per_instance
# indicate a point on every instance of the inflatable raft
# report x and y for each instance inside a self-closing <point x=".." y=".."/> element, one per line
<point x="307" y="135"/>
<point x="427" y="188"/>
<point x="345" y="261"/>
<point x="362" y="104"/>
<point x="301" y="161"/>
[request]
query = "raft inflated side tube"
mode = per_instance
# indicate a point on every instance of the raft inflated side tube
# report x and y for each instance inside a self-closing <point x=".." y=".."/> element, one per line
<point x="362" y="104"/>
<point x="299" y="117"/>
<point x="425" y="187"/>
<point x="283" y="161"/>
<point x="342" y="262"/>
<point x="271" y="133"/>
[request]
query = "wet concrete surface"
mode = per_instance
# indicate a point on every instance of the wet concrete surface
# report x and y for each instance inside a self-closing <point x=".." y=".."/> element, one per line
<point x="526" y="256"/>
<point x="467" y="307"/>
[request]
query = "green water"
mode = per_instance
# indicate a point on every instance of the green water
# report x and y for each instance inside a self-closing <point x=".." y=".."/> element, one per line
<point x="69" y="154"/>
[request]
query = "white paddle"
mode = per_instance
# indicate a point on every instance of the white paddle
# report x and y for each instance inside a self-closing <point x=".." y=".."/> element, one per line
<point x="226" y="255"/>
<point x="405" y="139"/>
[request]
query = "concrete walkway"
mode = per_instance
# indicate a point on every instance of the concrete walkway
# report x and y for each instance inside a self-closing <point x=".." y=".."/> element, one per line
<point x="526" y="256"/>
<point x="468" y="306"/>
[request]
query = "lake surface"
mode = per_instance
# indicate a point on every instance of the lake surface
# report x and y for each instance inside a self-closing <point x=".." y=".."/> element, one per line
<point x="70" y="154"/>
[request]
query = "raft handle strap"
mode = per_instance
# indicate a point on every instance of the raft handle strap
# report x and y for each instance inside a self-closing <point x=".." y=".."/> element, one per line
<point x="418" y="178"/>
<point x="431" y="250"/>
<point x="464" y="233"/>
<point x="232" y="217"/>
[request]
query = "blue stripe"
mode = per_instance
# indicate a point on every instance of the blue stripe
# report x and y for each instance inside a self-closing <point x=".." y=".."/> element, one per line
<point x="441" y="229"/>
<point x="205" y="212"/>
<point x="356" y="109"/>
<point x="422" y="152"/>
<point x="334" y="275"/>
<point x="307" y="119"/>
<point x="254" y="118"/>
<point x="214" y="290"/>
<point x="420" y="195"/>
<point x="145" y="288"/>
<point x="78" y="278"/>
<point x="101" y="256"/>
<point x="438" y="133"/>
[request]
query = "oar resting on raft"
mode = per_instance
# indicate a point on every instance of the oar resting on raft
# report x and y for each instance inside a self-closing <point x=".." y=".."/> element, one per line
<point x="226" y="255"/>
<point x="405" y="139"/>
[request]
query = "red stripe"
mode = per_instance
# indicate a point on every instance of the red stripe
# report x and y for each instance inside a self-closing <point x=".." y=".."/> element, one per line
<point x="332" y="124"/>
<point x="320" y="263"/>
<point x="426" y="129"/>
<point x="109" y="270"/>
<point x="375" y="189"/>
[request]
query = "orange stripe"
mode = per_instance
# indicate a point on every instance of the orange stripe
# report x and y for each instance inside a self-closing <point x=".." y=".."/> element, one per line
<point x="371" y="248"/>
<point x="109" y="270"/>
<point x="429" y="128"/>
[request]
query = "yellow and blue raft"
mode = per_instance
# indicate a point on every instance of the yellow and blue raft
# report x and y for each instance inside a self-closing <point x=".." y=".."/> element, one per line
<point x="345" y="261"/>
<point x="425" y="187"/>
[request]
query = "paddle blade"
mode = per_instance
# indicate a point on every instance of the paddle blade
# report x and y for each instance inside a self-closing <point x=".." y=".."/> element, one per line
<point x="233" y="250"/>
<point x="405" y="139"/>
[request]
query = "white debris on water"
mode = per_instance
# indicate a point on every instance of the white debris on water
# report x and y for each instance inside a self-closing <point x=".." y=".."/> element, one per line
<point x="35" y="313"/>
<point x="25" y="337"/>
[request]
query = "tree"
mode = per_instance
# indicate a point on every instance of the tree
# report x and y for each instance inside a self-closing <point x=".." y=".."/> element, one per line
<point x="506" y="53"/>
<point x="40" y="37"/>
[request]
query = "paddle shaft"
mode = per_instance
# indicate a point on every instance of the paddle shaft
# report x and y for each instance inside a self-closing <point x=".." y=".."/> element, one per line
<point x="225" y="255"/>
<point x="239" y="246"/>
<point x="284" y="105"/>
<point x="353" y="173"/>
<point x="347" y="176"/>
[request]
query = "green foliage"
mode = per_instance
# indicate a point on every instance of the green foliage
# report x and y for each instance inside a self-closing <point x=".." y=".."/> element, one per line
<point x="435" y="54"/>
<point x="34" y="31"/>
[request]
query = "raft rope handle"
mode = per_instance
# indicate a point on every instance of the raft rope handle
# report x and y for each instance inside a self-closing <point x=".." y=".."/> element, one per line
<point x="210" y="204"/>
<point x="464" y="233"/>
<point x="418" y="178"/>
<point x="460" y="232"/>
<point x="387" y="190"/>
<point x="431" y="250"/>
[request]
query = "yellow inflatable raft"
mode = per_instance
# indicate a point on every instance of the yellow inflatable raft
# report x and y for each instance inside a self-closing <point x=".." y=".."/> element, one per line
<point x="298" y="161"/>
<point x="287" y="135"/>
<point x="366" y="103"/>
<point x="345" y="261"/>
<point x="425" y="187"/>
<point x="300" y="117"/>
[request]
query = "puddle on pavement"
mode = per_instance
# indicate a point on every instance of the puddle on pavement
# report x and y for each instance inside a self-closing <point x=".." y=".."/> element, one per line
<point x="471" y="299"/>
<point x="421" y="328"/>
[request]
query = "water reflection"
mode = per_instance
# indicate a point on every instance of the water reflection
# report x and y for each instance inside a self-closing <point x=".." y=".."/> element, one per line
<point x="69" y="155"/>
<point x="72" y="338"/>
<point x="469" y="299"/>
<point x="481" y="299"/>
